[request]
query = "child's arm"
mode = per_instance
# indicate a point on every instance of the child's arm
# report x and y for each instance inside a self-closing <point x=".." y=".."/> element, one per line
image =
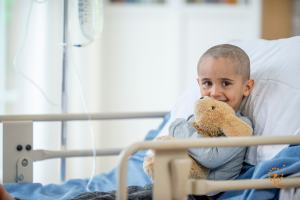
<point x="211" y="157"/>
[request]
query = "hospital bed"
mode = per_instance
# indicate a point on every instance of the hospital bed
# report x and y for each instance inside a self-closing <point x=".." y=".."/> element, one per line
<point x="273" y="106"/>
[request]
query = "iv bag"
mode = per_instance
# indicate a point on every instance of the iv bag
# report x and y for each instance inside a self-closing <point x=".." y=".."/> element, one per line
<point x="90" y="14"/>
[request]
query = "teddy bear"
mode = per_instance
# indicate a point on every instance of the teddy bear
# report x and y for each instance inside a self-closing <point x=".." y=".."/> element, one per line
<point x="212" y="119"/>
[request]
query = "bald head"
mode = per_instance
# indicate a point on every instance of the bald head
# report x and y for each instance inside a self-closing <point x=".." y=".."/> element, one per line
<point x="233" y="53"/>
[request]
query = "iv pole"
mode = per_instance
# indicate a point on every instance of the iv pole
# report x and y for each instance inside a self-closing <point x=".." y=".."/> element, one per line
<point x="64" y="96"/>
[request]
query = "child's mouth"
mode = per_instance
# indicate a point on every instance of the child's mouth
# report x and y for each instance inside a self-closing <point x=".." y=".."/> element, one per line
<point x="223" y="101"/>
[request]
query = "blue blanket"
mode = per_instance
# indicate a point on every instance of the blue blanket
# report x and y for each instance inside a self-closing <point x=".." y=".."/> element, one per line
<point x="288" y="160"/>
<point x="102" y="182"/>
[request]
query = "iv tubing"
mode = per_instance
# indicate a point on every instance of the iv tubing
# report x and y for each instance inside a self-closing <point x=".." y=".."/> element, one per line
<point x="89" y="119"/>
<point x="17" y="55"/>
<point x="84" y="101"/>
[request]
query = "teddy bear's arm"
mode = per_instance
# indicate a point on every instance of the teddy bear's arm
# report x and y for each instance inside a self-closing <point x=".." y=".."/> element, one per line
<point x="201" y="132"/>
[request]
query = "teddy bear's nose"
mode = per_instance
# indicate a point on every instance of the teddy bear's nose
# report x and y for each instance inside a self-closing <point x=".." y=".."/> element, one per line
<point x="201" y="97"/>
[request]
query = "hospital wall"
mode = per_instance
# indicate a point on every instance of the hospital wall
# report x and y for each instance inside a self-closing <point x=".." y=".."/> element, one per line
<point x="145" y="58"/>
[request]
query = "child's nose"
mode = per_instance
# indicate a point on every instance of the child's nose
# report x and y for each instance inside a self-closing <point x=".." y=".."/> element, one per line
<point x="215" y="91"/>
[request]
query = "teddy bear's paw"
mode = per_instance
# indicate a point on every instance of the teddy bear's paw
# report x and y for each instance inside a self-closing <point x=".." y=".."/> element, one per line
<point x="198" y="171"/>
<point x="148" y="166"/>
<point x="200" y="131"/>
<point x="165" y="137"/>
<point x="162" y="138"/>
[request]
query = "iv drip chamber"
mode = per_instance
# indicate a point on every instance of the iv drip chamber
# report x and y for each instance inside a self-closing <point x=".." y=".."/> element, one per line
<point x="90" y="13"/>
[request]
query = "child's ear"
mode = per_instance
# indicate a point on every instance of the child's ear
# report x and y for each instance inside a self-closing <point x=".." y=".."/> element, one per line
<point x="248" y="87"/>
<point x="198" y="81"/>
<point x="233" y="126"/>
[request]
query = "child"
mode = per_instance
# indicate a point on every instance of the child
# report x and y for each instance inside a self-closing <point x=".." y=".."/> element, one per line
<point x="224" y="72"/>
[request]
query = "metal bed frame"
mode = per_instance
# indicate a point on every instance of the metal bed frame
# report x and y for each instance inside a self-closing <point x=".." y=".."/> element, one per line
<point x="18" y="153"/>
<point x="171" y="157"/>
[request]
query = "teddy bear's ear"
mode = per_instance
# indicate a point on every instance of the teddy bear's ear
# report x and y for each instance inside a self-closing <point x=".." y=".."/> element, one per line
<point x="235" y="127"/>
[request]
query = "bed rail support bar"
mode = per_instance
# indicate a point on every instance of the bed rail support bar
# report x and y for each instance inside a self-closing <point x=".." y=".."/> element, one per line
<point x="39" y="155"/>
<point x="17" y="151"/>
<point x="202" y="187"/>
<point x="175" y="160"/>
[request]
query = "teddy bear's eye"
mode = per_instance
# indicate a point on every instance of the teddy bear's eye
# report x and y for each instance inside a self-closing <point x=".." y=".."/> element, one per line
<point x="213" y="107"/>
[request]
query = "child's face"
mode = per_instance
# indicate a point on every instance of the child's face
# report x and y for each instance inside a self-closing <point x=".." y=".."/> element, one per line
<point x="219" y="80"/>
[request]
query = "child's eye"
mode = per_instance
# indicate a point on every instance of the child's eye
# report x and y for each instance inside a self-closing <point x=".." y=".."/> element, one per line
<point x="226" y="83"/>
<point x="207" y="83"/>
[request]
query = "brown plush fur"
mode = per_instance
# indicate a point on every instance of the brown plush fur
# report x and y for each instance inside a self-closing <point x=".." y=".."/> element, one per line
<point x="212" y="119"/>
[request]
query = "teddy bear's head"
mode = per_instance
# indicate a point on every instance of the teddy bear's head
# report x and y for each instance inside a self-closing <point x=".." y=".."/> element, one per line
<point x="217" y="117"/>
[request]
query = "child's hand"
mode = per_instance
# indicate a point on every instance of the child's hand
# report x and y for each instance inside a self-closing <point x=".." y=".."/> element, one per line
<point x="176" y="119"/>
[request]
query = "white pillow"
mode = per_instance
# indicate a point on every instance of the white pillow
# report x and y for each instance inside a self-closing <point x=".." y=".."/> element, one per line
<point x="274" y="103"/>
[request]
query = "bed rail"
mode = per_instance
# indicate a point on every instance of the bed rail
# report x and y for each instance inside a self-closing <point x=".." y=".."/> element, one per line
<point x="18" y="153"/>
<point x="73" y="117"/>
<point x="166" y="152"/>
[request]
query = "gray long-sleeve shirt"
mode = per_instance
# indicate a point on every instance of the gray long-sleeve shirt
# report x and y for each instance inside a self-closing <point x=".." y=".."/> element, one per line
<point x="225" y="163"/>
